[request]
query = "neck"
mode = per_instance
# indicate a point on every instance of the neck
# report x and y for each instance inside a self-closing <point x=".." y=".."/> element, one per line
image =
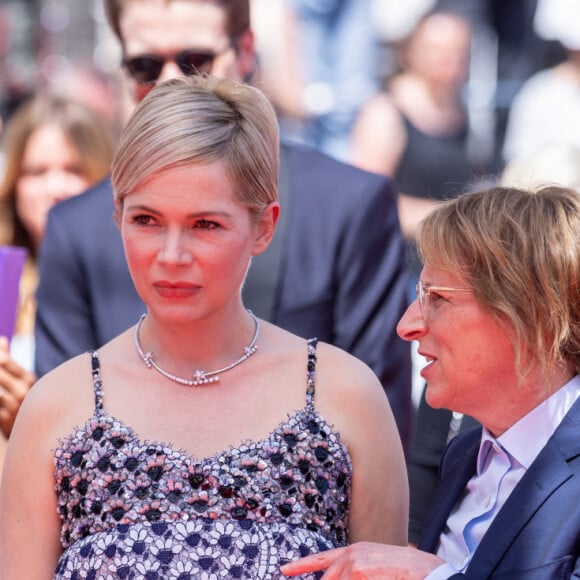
<point x="207" y="344"/>
<point x="537" y="386"/>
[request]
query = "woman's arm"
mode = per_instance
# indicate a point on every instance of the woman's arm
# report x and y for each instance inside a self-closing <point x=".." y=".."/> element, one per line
<point x="353" y="400"/>
<point x="29" y="525"/>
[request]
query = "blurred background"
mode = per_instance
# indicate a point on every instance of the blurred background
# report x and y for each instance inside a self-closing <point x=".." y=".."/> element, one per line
<point x="57" y="45"/>
<point x="344" y="52"/>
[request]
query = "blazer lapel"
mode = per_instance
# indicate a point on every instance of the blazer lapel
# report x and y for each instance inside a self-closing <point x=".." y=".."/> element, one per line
<point x="457" y="469"/>
<point x="547" y="473"/>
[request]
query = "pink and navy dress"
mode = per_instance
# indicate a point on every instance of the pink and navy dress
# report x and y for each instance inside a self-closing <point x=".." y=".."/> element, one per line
<point x="144" y="509"/>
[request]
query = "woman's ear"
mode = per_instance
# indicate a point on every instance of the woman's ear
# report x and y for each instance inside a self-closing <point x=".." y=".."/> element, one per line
<point x="265" y="227"/>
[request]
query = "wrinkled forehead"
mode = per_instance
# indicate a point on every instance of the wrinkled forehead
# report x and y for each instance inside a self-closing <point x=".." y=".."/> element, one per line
<point x="161" y="27"/>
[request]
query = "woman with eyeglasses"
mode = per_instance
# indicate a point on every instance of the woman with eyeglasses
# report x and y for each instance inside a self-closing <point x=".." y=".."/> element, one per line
<point x="202" y="442"/>
<point x="497" y="317"/>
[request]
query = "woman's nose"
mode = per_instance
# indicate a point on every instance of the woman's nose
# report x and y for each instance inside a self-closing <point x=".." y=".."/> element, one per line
<point x="175" y="250"/>
<point x="412" y="324"/>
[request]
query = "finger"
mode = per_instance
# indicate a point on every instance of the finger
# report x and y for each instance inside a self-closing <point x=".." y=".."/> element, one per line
<point x="11" y="366"/>
<point x="312" y="563"/>
<point x="16" y="384"/>
<point x="13" y="392"/>
<point x="9" y="403"/>
<point x="6" y="425"/>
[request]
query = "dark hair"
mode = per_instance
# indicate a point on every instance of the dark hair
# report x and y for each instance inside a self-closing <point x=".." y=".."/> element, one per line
<point x="237" y="15"/>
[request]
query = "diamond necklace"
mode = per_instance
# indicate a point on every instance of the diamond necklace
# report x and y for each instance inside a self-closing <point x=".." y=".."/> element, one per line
<point x="200" y="377"/>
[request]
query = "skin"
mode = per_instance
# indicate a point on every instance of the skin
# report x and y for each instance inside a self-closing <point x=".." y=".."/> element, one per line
<point x="193" y="263"/>
<point x="367" y="561"/>
<point x="462" y="378"/>
<point x="51" y="172"/>
<point x="188" y="242"/>
<point x="460" y="374"/>
<point x="457" y="365"/>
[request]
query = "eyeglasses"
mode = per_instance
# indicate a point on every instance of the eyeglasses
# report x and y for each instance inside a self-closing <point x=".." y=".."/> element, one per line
<point x="146" y="68"/>
<point x="424" y="296"/>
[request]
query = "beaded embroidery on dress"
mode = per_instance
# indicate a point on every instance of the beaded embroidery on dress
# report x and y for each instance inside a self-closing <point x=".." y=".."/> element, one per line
<point x="138" y="509"/>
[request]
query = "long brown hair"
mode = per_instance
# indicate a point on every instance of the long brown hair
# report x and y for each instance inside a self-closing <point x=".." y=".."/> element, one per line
<point x="87" y="132"/>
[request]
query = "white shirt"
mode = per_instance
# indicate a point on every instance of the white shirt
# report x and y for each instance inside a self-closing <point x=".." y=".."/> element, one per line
<point x="501" y="463"/>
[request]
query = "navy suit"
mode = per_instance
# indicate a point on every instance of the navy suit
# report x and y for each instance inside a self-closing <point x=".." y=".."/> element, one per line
<point x="342" y="273"/>
<point x="536" y="534"/>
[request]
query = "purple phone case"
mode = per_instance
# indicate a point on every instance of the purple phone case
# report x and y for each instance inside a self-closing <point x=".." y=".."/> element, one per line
<point x="12" y="260"/>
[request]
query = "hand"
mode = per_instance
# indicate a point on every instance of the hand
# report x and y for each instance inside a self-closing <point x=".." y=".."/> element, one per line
<point x="366" y="560"/>
<point x="15" y="382"/>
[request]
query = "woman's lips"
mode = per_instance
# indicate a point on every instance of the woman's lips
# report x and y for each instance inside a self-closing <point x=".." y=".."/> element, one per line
<point x="176" y="289"/>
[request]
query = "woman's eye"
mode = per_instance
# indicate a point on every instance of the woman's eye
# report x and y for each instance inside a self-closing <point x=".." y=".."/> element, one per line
<point x="75" y="170"/>
<point x="32" y="171"/>
<point x="143" y="220"/>
<point x="435" y="297"/>
<point x="206" y="225"/>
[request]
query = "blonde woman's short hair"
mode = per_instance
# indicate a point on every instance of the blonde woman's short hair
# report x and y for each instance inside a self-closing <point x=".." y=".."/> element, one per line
<point x="200" y="120"/>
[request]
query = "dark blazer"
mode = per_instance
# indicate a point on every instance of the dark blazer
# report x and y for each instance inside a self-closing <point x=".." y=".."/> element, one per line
<point x="432" y="430"/>
<point x="536" y="535"/>
<point x="342" y="273"/>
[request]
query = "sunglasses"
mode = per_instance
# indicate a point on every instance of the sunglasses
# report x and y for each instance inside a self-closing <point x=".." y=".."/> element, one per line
<point x="146" y="68"/>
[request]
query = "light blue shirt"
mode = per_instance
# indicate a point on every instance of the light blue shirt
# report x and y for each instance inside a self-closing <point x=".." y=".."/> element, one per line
<point x="501" y="463"/>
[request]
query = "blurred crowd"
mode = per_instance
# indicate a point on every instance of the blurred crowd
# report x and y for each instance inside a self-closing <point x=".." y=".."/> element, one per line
<point x="335" y="67"/>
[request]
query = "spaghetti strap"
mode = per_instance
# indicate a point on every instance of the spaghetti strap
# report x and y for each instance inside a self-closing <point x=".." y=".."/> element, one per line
<point x="97" y="382"/>
<point x="311" y="371"/>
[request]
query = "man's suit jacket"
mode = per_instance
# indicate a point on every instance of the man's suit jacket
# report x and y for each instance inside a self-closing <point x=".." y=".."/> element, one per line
<point x="536" y="534"/>
<point x="342" y="272"/>
<point x="431" y="434"/>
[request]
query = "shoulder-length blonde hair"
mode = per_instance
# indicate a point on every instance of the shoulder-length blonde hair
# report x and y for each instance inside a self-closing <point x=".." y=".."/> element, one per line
<point x="520" y="253"/>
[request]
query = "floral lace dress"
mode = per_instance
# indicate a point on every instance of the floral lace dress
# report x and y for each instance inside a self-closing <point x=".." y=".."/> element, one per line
<point x="144" y="509"/>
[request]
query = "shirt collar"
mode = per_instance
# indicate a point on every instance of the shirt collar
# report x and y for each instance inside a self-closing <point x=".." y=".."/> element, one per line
<point x="527" y="437"/>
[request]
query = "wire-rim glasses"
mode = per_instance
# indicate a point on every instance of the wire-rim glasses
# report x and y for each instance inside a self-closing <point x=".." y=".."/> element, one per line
<point x="424" y="295"/>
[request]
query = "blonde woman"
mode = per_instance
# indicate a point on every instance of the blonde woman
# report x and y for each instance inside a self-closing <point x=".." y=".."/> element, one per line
<point x="202" y="441"/>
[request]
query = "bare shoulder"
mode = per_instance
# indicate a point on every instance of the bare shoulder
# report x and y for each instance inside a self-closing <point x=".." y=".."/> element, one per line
<point x="339" y="375"/>
<point x="381" y="109"/>
<point x="61" y="399"/>
<point x="350" y="398"/>
<point x="333" y="363"/>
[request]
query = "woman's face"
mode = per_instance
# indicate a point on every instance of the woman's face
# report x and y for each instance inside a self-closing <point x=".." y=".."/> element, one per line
<point x="440" y="50"/>
<point x="470" y="360"/>
<point x="189" y="240"/>
<point x="51" y="171"/>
